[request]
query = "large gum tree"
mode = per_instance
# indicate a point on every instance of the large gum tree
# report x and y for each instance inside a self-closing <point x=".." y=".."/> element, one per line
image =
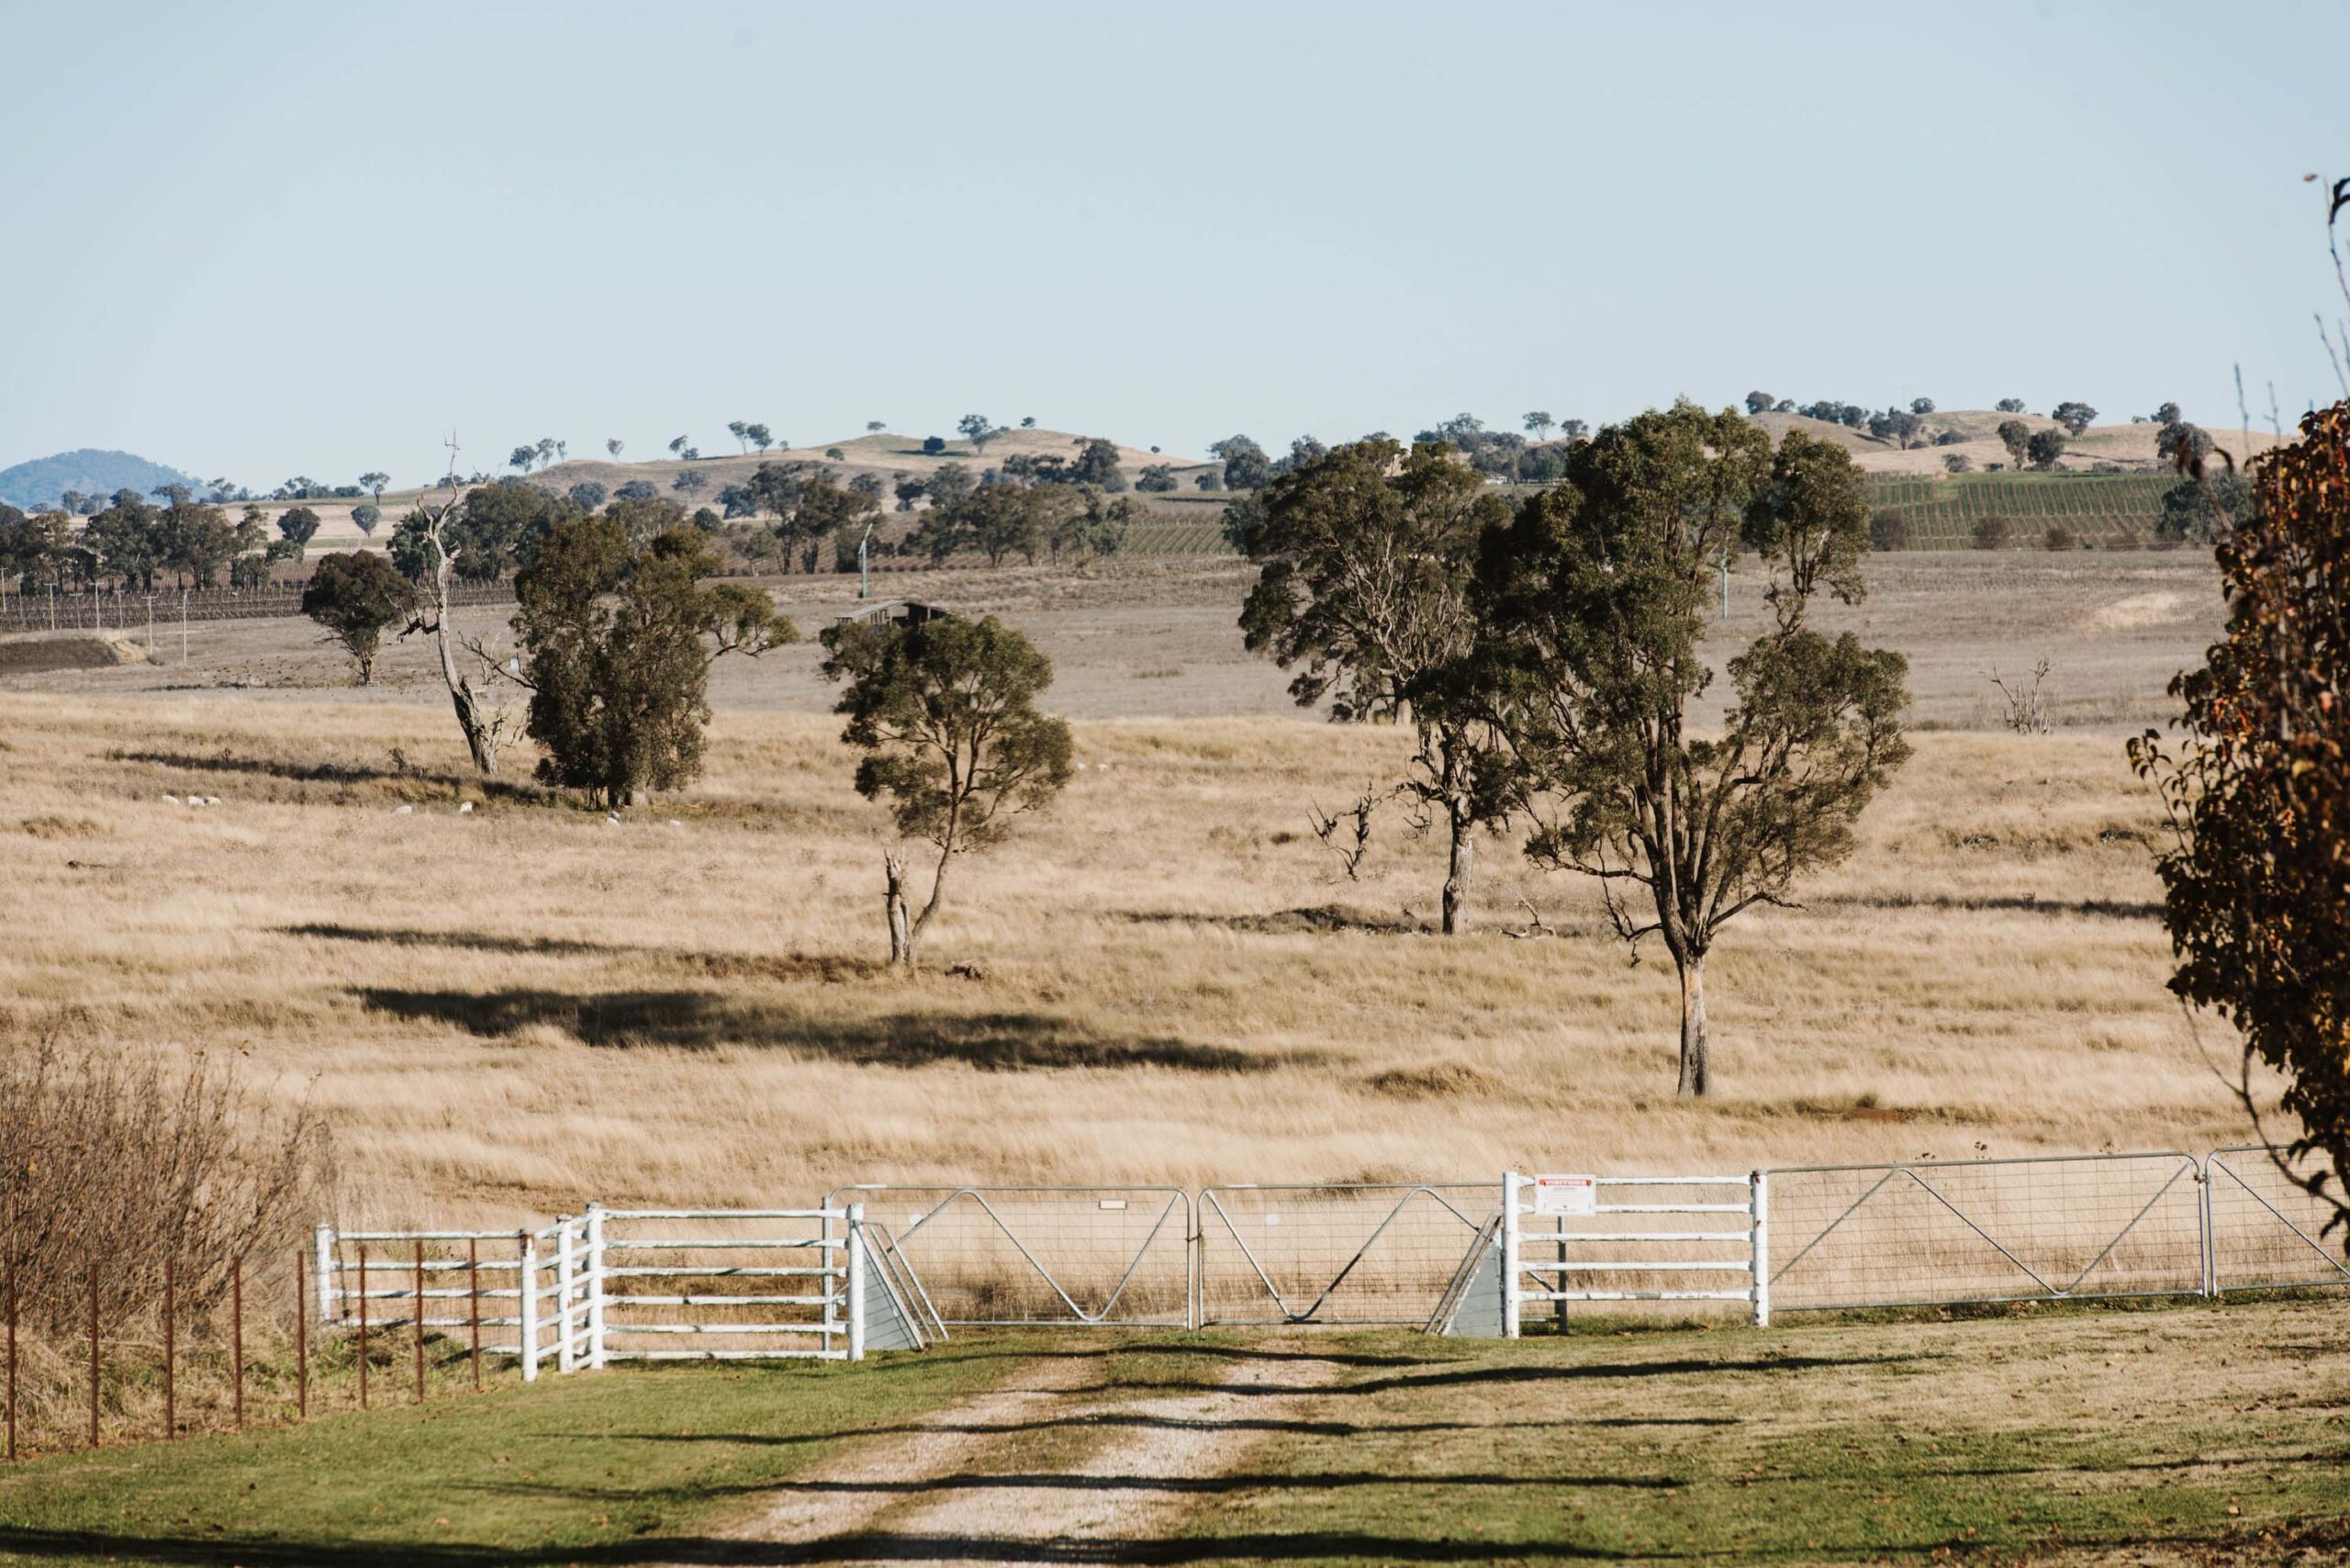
<point x="1594" y="600"/>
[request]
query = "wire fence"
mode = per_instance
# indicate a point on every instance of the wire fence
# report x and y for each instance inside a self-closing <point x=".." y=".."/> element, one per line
<point x="118" y="610"/>
<point x="361" y="1317"/>
<point x="1044" y="1256"/>
<point x="2068" y="1228"/>
<point x="2268" y="1231"/>
<point x="1353" y="1253"/>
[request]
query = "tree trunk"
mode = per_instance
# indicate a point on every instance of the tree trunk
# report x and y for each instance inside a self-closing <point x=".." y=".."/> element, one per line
<point x="937" y="893"/>
<point x="894" y="904"/>
<point x="478" y="740"/>
<point x="1695" y="1041"/>
<point x="1456" y="880"/>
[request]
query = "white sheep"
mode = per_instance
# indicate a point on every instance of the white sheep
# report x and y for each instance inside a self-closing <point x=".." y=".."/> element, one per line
<point x="171" y="800"/>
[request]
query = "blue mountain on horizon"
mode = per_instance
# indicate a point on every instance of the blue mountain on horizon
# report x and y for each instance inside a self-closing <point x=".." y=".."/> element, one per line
<point x="41" y="481"/>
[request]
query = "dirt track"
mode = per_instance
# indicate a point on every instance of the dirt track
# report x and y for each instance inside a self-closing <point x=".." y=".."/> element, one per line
<point x="1037" y="1471"/>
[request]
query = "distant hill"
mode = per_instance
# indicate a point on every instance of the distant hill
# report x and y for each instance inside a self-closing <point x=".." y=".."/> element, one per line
<point x="93" y="473"/>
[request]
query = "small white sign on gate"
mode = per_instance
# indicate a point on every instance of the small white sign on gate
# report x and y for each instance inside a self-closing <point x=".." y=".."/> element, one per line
<point x="1566" y="1194"/>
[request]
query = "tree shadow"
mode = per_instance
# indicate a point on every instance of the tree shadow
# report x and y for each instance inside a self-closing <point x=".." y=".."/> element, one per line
<point x="1455" y="1377"/>
<point x="347" y="773"/>
<point x="1320" y="919"/>
<point x="701" y="1020"/>
<point x="2025" y="903"/>
<point x="466" y="941"/>
<point x="830" y="968"/>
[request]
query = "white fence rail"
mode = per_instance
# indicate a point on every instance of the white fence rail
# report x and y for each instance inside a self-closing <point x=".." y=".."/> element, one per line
<point x="1581" y="1238"/>
<point x="890" y="1267"/>
<point x="619" y="1285"/>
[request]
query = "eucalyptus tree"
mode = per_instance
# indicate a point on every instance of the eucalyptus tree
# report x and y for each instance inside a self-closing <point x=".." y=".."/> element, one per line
<point x="1368" y="557"/>
<point x="1596" y="599"/>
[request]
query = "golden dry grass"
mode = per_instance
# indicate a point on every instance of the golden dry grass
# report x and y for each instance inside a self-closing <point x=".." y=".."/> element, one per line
<point x="511" y="1010"/>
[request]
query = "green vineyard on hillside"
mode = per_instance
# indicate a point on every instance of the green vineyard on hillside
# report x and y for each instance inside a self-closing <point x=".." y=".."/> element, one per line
<point x="2107" y="511"/>
<point x="2104" y="509"/>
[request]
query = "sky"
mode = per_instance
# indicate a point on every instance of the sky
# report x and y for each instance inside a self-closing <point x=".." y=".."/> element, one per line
<point x="265" y="240"/>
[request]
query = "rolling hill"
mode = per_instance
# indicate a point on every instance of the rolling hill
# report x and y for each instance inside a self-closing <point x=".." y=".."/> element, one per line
<point x="39" y="483"/>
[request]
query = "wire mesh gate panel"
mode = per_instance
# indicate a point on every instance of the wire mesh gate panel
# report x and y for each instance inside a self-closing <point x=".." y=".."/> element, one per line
<point x="1356" y="1253"/>
<point x="1627" y="1239"/>
<point x="2266" y="1233"/>
<point x="2067" y="1227"/>
<point x="1035" y="1256"/>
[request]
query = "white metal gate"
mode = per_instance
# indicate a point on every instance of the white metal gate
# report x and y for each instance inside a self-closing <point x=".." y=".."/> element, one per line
<point x="1634" y="1239"/>
<point x="2264" y="1230"/>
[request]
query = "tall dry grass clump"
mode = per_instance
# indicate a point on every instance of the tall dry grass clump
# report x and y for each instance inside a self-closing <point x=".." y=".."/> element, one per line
<point x="133" y="1163"/>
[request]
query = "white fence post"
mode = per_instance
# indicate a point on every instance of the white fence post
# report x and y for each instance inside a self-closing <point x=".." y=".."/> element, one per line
<point x="1510" y="1182"/>
<point x="565" y="1284"/>
<point x="596" y="1285"/>
<point x="857" y="1282"/>
<point x="527" y="1269"/>
<point x="327" y="1282"/>
<point x="1760" y="1200"/>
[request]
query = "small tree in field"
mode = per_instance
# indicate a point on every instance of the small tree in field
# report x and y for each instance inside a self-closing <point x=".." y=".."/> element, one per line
<point x="1368" y="555"/>
<point x="357" y="597"/>
<point x="2016" y="436"/>
<point x="2257" y="904"/>
<point x="946" y="712"/>
<point x="617" y="645"/>
<point x="1596" y="597"/>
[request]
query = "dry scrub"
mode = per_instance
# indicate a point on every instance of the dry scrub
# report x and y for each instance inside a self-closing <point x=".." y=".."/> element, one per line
<point x="512" y="1010"/>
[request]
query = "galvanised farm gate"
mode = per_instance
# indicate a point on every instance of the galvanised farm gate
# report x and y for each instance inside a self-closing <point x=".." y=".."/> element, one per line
<point x="883" y="1266"/>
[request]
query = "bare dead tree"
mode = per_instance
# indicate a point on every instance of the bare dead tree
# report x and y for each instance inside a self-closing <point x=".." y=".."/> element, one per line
<point x="487" y="724"/>
<point x="2027" y="709"/>
<point x="1354" y="843"/>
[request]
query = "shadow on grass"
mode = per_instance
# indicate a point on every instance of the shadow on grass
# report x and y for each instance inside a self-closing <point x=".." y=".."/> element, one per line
<point x="466" y="941"/>
<point x="347" y="773"/>
<point x="2102" y="909"/>
<point x="693" y="1020"/>
<point x="76" y="1545"/>
<point x="830" y="968"/>
<point x="1456" y="1377"/>
<point x="1298" y="1428"/>
<point x="1320" y="919"/>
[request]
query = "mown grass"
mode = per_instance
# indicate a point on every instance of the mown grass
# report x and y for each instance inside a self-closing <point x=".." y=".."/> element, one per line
<point x="625" y="1465"/>
<point x="2142" y="1437"/>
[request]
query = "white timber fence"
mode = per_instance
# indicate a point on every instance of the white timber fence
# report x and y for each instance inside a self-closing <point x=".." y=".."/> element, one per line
<point x="608" y="1285"/>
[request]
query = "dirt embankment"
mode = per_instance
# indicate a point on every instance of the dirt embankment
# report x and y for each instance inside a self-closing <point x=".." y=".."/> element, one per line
<point x="38" y="653"/>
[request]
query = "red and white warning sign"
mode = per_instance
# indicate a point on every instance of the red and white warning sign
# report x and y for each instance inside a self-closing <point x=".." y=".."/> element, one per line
<point x="1566" y="1194"/>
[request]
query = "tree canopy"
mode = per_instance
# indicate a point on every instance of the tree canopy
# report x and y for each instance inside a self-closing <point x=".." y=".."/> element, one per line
<point x="617" y="644"/>
<point x="2258" y="795"/>
<point x="1368" y="557"/>
<point x="945" y="715"/>
<point x="358" y="596"/>
<point x="1595" y="599"/>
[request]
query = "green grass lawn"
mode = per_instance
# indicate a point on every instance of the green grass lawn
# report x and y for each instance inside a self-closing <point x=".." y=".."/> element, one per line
<point x="2175" y="1436"/>
<point x="2156" y="1436"/>
<point x="621" y="1466"/>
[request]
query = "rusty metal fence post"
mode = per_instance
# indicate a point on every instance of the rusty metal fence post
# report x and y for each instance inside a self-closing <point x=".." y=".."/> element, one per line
<point x="94" y="1355"/>
<point x="170" y="1350"/>
<point x="236" y="1338"/>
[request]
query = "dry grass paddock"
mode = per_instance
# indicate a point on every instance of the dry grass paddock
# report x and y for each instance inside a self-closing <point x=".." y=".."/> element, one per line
<point x="511" y="1010"/>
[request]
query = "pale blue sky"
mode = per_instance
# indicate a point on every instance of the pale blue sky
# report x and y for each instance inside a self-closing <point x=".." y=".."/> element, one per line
<point x="273" y="238"/>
